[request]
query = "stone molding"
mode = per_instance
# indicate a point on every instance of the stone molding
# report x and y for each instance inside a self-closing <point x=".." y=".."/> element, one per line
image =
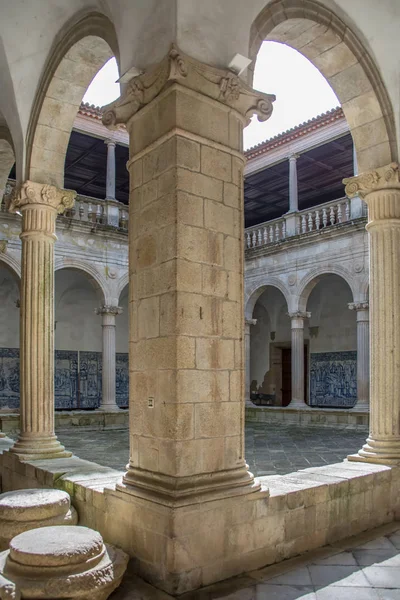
<point x="358" y="305"/>
<point x="219" y="84"/>
<point x="108" y="310"/>
<point x="31" y="193"/>
<point x="383" y="178"/>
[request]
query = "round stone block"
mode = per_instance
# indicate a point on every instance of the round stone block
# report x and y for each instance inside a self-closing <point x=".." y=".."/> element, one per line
<point x="23" y="510"/>
<point x="61" y="562"/>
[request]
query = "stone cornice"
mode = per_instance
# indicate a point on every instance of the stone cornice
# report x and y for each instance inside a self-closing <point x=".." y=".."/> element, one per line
<point x="386" y="177"/>
<point x="219" y="84"/>
<point x="32" y="193"/>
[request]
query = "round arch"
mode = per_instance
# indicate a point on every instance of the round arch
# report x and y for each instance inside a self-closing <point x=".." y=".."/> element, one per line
<point x="308" y="283"/>
<point x="94" y="277"/>
<point x="319" y="34"/>
<point x="12" y="265"/>
<point x="122" y="284"/>
<point x="255" y="290"/>
<point x="81" y="48"/>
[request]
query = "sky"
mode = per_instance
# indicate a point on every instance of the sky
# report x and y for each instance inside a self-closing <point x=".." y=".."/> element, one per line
<point x="300" y="89"/>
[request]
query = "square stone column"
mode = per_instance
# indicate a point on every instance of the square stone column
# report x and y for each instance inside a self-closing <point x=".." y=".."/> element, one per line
<point x="39" y="205"/>
<point x="381" y="191"/>
<point x="185" y="122"/>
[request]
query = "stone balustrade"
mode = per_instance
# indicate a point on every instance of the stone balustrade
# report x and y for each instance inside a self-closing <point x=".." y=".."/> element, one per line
<point x="306" y="221"/>
<point x="88" y="209"/>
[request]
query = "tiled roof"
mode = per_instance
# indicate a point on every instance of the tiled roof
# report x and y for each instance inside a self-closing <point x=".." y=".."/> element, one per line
<point x="336" y="114"/>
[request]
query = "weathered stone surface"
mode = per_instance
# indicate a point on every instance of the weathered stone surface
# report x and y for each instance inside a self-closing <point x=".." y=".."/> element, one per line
<point x="68" y="562"/>
<point x="23" y="510"/>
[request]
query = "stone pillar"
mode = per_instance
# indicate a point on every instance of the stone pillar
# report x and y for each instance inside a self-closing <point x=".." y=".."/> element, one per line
<point x="185" y="121"/>
<point x="39" y="205"/>
<point x="247" y="324"/>
<point x="293" y="191"/>
<point x="381" y="191"/>
<point x="297" y="324"/>
<point x="110" y="181"/>
<point x="108" y="399"/>
<point x="362" y="309"/>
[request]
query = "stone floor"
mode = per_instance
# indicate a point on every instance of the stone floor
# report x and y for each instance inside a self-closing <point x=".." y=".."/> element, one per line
<point x="365" y="567"/>
<point x="270" y="448"/>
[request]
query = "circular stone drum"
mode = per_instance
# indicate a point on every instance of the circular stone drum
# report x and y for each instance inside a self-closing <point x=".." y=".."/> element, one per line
<point x="62" y="562"/>
<point x="23" y="510"/>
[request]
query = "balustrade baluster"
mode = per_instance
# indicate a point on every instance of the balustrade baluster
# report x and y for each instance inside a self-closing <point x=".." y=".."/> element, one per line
<point x="303" y="224"/>
<point x="283" y="230"/>
<point x="99" y="213"/>
<point x="276" y="232"/>
<point x="259" y="237"/>
<point x="339" y="212"/>
<point x="271" y="234"/>
<point x="90" y="212"/>
<point x="332" y="215"/>
<point x="254" y="239"/>
<point x="317" y="219"/>
<point x="347" y="210"/>
<point x="81" y="210"/>
<point x="324" y="217"/>
<point x="248" y="240"/>
<point x="265" y="235"/>
<point x="310" y="222"/>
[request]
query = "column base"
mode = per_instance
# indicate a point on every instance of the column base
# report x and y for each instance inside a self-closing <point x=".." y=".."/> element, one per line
<point x="362" y="407"/>
<point x="39" y="448"/>
<point x="298" y="404"/>
<point x="182" y="491"/>
<point x="109" y="407"/>
<point x="380" y="452"/>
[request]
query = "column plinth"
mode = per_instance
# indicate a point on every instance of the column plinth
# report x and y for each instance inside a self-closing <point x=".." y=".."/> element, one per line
<point x="381" y="191"/>
<point x="297" y="325"/>
<point x="362" y="309"/>
<point x="39" y="205"/>
<point x="108" y="398"/>
<point x="185" y="121"/>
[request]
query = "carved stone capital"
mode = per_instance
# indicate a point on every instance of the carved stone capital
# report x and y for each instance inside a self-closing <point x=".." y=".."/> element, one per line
<point x="358" y="305"/>
<point x="383" y="178"/>
<point x="299" y="315"/>
<point x="250" y="322"/>
<point x="32" y="193"/>
<point x="219" y="84"/>
<point x="108" y="310"/>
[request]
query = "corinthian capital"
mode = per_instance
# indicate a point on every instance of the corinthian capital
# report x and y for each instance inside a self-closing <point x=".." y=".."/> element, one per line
<point x="219" y="84"/>
<point x="108" y="310"/>
<point x="30" y="193"/>
<point x="298" y="314"/>
<point x="382" y="178"/>
<point x="358" y="305"/>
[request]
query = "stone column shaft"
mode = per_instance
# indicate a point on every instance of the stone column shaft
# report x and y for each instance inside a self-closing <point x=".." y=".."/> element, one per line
<point x="381" y="190"/>
<point x="39" y="205"/>
<point x="297" y="324"/>
<point x="110" y="181"/>
<point x="185" y="122"/>
<point x="108" y="398"/>
<point x="293" y="189"/>
<point x="362" y="309"/>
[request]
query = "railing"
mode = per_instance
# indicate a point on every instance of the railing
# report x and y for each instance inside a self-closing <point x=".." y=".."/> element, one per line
<point x="87" y="209"/>
<point x="306" y="221"/>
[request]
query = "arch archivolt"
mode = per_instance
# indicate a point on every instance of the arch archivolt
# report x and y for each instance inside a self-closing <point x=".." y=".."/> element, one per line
<point x="79" y="52"/>
<point x="310" y="280"/>
<point x="319" y="34"/>
<point x="11" y="264"/>
<point x="255" y="288"/>
<point x="122" y="283"/>
<point x="96" y="279"/>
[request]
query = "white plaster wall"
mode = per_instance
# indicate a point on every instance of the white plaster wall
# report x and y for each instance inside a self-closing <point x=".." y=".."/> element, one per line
<point x="9" y="311"/>
<point x="77" y="325"/>
<point x="337" y="325"/>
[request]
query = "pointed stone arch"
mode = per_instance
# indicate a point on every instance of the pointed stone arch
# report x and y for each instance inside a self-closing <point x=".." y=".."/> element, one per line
<point x="331" y="45"/>
<point x="81" y="48"/>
